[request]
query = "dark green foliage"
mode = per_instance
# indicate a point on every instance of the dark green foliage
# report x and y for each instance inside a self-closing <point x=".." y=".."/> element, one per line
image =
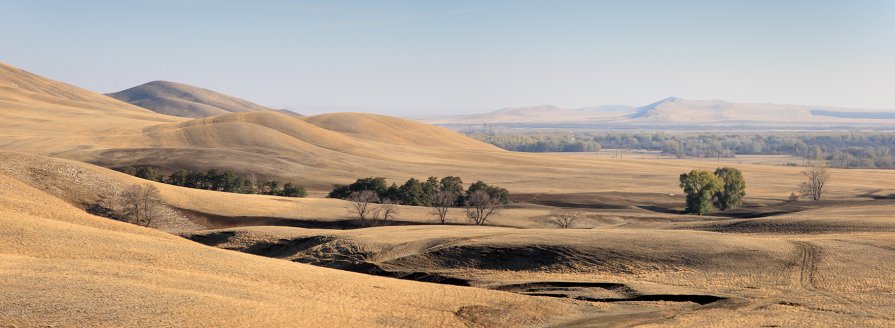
<point x="290" y="190"/>
<point x="452" y="184"/>
<point x="391" y="194"/>
<point x="178" y="178"/>
<point x="412" y="193"/>
<point x="230" y="182"/>
<point x="217" y="180"/>
<point x="226" y="181"/>
<point x="732" y="190"/>
<point x="130" y="170"/>
<point x="248" y="187"/>
<point x="417" y="193"/>
<point x="271" y="187"/>
<point x="495" y="192"/>
<point x="700" y="187"/>
<point x="195" y="179"/>
<point x="376" y="185"/>
<point x="340" y="192"/>
<point x="430" y="187"/>
<point x="148" y="173"/>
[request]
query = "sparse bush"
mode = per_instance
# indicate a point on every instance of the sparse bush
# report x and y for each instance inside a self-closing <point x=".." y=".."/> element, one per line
<point x="442" y="202"/>
<point x="564" y="220"/>
<point x="389" y="211"/>
<point x="480" y="206"/>
<point x="815" y="187"/>
<point x="794" y="197"/>
<point x="140" y="204"/>
<point x="360" y="206"/>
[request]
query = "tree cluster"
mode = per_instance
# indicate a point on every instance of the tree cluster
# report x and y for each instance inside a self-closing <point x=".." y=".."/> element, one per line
<point x="706" y="191"/>
<point x="479" y="200"/>
<point x="415" y="192"/>
<point x="218" y="180"/>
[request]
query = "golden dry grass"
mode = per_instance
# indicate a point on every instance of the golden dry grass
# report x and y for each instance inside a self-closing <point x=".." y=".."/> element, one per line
<point x="63" y="267"/>
<point x="184" y="100"/>
<point x="785" y="280"/>
<point x="828" y="264"/>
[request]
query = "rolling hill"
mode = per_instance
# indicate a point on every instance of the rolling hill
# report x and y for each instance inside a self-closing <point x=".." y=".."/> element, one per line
<point x="184" y="100"/>
<point x="674" y="111"/>
<point x="51" y="118"/>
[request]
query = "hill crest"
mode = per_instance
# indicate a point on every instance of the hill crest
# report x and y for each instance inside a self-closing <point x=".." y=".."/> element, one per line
<point x="672" y="111"/>
<point x="184" y="100"/>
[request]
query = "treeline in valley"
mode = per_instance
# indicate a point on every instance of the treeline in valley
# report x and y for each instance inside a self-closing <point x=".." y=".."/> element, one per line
<point x="420" y="193"/>
<point x="479" y="200"/>
<point x="839" y="149"/>
<point x="218" y="180"/>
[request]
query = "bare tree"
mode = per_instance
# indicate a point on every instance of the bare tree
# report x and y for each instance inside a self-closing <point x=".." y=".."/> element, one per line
<point x="441" y="203"/>
<point x="480" y="206"/>
<point x="140" y="204"/>
<point x="564" y="220"/>
<point x="817" y="181"/>
<point x="360" y="205"/>
<point x="389" y="211"/>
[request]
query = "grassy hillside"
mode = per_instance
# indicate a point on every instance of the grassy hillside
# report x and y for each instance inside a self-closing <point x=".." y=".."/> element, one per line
<point x="184" y="100"/>
<point x="69" y="268"/>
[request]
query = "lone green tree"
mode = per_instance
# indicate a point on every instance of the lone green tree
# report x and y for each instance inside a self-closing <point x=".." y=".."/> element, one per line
<point x="700" y="187"/>
<point x="732" y="190"/>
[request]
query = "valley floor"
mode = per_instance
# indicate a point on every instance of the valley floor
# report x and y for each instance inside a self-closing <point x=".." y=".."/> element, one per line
<point x="632" y="260"/>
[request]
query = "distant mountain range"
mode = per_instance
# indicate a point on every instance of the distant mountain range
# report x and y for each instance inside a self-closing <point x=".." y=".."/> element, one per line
<point x="178" y="99"/>
<point x="677" y="111"/>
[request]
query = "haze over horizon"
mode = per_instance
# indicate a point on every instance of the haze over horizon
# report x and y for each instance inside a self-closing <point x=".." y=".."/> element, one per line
<point x="402" y="57"/>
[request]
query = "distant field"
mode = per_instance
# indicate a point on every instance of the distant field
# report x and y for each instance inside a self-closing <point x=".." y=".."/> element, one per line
<point x="652" y="154"/>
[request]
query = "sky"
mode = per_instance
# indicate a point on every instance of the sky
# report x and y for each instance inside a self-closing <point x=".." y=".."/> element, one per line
<point x="444" y="57"/>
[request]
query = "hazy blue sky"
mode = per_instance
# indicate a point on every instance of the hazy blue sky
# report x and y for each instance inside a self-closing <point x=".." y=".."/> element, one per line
<point x="467" y="55"/>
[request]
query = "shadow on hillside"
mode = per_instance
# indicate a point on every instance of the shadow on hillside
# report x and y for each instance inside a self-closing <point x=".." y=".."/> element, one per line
<point x="603" y="200"/>
<point x="214" y="221"/>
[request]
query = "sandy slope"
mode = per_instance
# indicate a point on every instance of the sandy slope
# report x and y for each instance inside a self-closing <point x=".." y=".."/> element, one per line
<point x="184" y="100"/>
<point x="67" y="268"/>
